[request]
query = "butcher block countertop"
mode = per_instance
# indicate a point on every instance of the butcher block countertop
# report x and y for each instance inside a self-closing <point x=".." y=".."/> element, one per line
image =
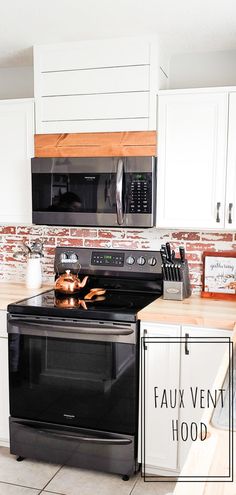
<point x="11" y="292"/>
<point x="191" y="311"/>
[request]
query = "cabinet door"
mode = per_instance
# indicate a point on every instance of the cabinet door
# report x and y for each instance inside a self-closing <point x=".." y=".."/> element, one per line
<point x="160" y="359"/>
<point x="4" y="393"/>
<point x="201" y="353"/>
<point x="192" y="134"/>
<point x="16" y="145"/>
<point x="230" y="210"/>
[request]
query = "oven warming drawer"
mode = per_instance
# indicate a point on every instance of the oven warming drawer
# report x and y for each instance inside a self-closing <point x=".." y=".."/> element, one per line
<point x="78" y="447"/>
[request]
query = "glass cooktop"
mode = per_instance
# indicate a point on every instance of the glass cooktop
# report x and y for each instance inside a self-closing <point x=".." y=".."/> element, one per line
<point x="102" y="303"/>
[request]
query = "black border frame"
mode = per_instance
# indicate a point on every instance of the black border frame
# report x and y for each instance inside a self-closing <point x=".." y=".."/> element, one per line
<point x="198" y="478"/>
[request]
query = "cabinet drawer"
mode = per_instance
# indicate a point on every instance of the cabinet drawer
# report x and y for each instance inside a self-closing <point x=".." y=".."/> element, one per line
<point x="3" y="323"/>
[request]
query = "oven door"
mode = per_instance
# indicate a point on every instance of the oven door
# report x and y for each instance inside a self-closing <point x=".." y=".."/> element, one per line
<point x="74" y="373"/>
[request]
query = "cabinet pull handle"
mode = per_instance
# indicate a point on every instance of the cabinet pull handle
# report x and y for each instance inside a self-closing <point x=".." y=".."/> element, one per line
<point x="144" y="345"/>
<point x="230" y="212"/>
<point x="218" y="212"/>
<point x="186" y="349"/>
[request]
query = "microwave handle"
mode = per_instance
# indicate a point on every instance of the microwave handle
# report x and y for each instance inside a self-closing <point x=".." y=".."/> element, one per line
<point x="119" y="191"/>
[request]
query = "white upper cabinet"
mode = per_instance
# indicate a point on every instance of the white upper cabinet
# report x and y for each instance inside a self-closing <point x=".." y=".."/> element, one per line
<point x="230" y="213"/>
<point x="17" y="149"/>
<point x="192" y="149"/>
<point x="102" y="85"/>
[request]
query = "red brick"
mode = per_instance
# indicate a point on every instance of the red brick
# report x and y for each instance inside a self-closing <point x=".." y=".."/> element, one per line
<point x="56" y="231"/>
<point x="34" y="230"/>
<point x="97" y="243"/>
<point x="68" y="241"/>
<point x="49" y="251"/>
<point x="217" y="236"/>
<point x="200" y="246"/>
<point x="75" y="232"/>
<point x="136" y="234"/>
<point x="193" y="257"/>
<point x="47" y="241"/>
<point x="186" y="236"/>
<point x="14" y="261"/>
<point x="7" y="230"/>
<point x="14" y="240"/>
<point x="111" y="234"/>
<point x="9" y="248"/>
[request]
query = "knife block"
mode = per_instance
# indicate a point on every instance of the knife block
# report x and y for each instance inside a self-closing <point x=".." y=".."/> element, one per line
<point x="177" y="291"/>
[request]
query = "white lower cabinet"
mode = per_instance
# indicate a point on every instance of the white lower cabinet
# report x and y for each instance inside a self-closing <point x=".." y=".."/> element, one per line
<point x="4" y="388"/>
<point x="176" y="375"/>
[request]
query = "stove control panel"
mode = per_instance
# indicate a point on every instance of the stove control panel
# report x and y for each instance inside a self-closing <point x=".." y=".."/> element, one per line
<point x="107" y="258"/>
<point x="87" y="260"/>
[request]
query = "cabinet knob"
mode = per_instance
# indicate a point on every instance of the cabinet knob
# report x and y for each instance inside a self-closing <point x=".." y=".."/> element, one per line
<point x="218" y="212"/>
<point x="230" y="212"/>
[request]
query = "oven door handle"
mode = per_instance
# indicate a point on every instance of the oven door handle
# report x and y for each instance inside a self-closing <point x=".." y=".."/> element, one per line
<point x="119" y="191"/>
<point x="59" y="328"/>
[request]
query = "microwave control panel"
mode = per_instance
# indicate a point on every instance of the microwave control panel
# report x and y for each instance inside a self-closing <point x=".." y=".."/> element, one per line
<point x="139" y="198"/>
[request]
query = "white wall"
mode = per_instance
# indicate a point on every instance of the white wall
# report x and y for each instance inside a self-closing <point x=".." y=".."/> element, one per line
<point x="191" y="70"/>
<point x="16" y="82"/>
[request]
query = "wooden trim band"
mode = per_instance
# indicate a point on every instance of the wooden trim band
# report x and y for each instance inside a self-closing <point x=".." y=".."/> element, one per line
<point x="134" y="143"/>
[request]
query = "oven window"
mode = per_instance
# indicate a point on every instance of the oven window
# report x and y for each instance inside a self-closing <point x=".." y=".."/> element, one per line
<point x="72" y="192"/>
<point x="74" y="382"/>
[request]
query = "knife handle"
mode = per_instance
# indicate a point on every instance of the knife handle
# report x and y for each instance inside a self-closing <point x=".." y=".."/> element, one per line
<point x="182" y="253"/>
<point x="168" y="251"/>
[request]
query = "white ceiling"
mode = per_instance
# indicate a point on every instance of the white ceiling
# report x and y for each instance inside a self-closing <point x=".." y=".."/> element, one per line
<point x="182" y="25"/>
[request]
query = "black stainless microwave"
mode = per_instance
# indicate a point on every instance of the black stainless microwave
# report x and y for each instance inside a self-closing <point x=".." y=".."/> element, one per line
<point x="108" y="191"/>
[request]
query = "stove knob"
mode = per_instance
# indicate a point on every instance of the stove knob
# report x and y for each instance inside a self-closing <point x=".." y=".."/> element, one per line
<point x="141" y="260"/>
<point x="63" y="256"/>
<point x="130" y="260"/>
<point x="152" y="261"/>
<point x="73" y="257"/>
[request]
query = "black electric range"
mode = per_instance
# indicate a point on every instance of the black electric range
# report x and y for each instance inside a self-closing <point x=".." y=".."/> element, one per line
<point x="131" y="280"/>
<point x="74" y="362"/>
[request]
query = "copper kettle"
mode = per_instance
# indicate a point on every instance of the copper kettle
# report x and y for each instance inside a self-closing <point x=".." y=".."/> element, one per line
<point x="69" y="283"/>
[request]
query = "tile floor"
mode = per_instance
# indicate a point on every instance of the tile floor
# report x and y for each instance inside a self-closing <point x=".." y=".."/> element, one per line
<point x="35" y="478"/>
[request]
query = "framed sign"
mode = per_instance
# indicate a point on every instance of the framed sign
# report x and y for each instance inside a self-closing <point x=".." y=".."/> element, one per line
<point x="219" y="275"/>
